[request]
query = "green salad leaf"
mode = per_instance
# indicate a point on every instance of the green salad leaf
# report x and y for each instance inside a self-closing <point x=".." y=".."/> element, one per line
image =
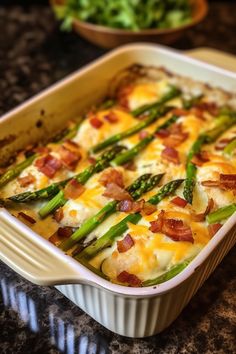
<point x="126" y="14"/>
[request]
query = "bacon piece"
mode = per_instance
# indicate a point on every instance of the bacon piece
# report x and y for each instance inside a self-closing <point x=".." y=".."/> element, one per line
<point x="156" y="226"/>
<point x="143" y="134"/>
<point x="125" y="244"/>
<point x="26" y="217"/>
<point x="202" y="216"/>
<point x="95" y="122"/>
<point x="171" y="155"/>
<point x="26" y="180"/>
<point x="70" y="154"/>
<point x="112" y="176"/>
<point x="48" y="165"/>
<point x="200" y="158"/>
<point x="73" y="189"/>
<point x="130" y="279"/>
<point x="162" y="133"/>
<point x="111" y="117"/>
<point x="209" y="183"/>
<point x="61" y="234"/>
<point x="177" y="136"/>
<point x="149" y="208"/>
<point x="228" y="181"/>
<point x="115" y="192"/>
<point x="128" y="205"/>
<point x="130" y="166"/>
<point x="58" y="215"/>
<point x="210" y="107"/>
<point x="173" y="228"/>
<point x="177" y="231"/>
<point x="180" y="112"/>
<point x="198" y="112"/>
<point x="213" y="228"/>
<point x="221" y="144"/>
<point x="179" y="202"/>
<point x="125" y="205"/>
<point x="65" y="232"/>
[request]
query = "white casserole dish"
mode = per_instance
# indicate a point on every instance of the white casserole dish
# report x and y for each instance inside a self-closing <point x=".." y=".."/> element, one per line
<point x="133" y="312"/>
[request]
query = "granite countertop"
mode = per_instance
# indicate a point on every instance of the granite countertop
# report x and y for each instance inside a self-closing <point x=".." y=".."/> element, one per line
<point x="33" y="55"/>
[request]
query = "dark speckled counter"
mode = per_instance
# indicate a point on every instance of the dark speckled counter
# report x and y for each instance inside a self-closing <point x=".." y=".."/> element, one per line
<point x="33" y="319"/>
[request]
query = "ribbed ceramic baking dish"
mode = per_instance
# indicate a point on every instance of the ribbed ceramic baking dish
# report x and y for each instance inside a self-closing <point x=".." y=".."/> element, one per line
<point x="133" y="312"/>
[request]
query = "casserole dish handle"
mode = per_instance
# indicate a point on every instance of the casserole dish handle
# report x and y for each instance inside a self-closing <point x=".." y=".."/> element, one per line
<point x="34" y="257"/>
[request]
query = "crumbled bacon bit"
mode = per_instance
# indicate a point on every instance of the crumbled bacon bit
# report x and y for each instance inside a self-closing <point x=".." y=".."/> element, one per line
<point x="209" y="183"/>
<point x="125" y="244"/>
<point x="162" y="133"/>
<point x="226" y="181"/>
<point x="171" y="155"/>
<point x="180" y="112"/>
<point x="200" y="158"/>
<point x="73" y="189"/>
<point x="210" y="107"/>
<point x="26" y="217"/>
<point x="111" y="117"/>
<point x="149" y="208"/>
<point x="130" y="279"/>
<point x="213" y="228"/>
<point x="143" y="134"/>
<point x="128" y="205"/>
<point x="115" y="192"/>
<point x="176" y="137"/>
<point x="48" y="165"/>
<point x="130" y="166"/>
<point x="173" y="228"/>
<point x="95" y="122"/>
<point x="70" y="155"/>
<point x="58" y="215"/>
<point x="112" y="175"/>
<point x="198" y="112"/>
<point x="179" y="202"/>
<point x="125" y="205"/>
<point x="202" y="216"/>
<point x="221" y="144"/>
<point x="65" y="232"/>
<point x="60" y="234"/>
<point x="26" y="180"/>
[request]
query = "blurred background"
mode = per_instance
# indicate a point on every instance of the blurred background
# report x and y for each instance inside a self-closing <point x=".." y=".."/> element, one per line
<point x="34" y="52"/>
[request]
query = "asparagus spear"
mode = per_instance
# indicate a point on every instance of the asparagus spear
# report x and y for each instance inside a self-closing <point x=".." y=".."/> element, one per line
<point x="142" y="185"/>
<point x="171" y="273"/>
<point x="14" y="171"/>
<point x="130" y="154"/>
<point x="117" y="230"/>
<point x="50" y="191"/>
<point x="172" y="93"/>
<point x="223" y="123"/>
<point x="228" y="150"/>
<point x="221" y="214"/>
<point x="58" y="200"/>
<point x="153" y="116"/>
